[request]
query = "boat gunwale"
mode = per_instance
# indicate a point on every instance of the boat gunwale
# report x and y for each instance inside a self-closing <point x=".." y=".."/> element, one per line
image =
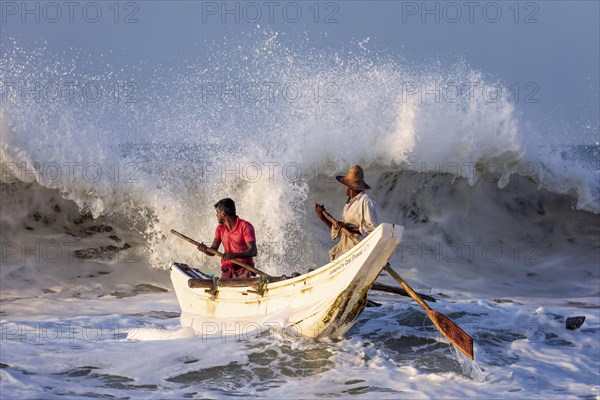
<point x="292" y="280"/>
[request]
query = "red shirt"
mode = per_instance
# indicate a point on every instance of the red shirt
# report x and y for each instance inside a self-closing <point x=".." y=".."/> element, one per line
<point x="234" y="241"/>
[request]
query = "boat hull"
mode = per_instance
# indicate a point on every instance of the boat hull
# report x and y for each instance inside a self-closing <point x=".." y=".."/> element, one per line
<point x="323" y="302"/>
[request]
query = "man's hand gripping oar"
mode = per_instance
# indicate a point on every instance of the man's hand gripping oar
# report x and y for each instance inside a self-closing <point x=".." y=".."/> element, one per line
<point x="217" y="253"/>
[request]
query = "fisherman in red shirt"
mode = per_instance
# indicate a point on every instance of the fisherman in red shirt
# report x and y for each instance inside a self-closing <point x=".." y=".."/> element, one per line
<point x="238" y="239"/>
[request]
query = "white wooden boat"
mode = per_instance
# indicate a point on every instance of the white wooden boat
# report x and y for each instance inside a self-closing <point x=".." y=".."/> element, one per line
<point x="322" y="302"/>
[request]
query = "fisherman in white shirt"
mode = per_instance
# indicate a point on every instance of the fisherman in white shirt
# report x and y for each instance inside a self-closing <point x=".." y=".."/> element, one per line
<point x="359" y="215"/>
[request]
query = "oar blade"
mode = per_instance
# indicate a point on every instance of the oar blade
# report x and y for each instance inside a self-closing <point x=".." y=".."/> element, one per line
<point x="457" y="337"/>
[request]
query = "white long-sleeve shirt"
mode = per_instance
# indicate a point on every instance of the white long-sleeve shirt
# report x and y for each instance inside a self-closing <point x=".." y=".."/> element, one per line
<point x="360" y="212"/>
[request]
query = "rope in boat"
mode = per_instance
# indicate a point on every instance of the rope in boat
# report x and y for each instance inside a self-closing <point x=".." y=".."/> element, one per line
<point x="215" y="287"/>
<point x="261" y="287"/>
<point x="262" y="282"/>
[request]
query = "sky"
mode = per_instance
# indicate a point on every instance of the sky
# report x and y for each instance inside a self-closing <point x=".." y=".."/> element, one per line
<point x="547" y="52"/>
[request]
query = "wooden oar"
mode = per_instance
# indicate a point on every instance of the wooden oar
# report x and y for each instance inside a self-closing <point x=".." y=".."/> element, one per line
<point x="218" y="253"/>
<point x="391" y="289"/>
<point x="457" y="337"/>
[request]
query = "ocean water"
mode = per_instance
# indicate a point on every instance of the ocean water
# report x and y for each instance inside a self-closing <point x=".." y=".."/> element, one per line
<point x="101" y="158"/>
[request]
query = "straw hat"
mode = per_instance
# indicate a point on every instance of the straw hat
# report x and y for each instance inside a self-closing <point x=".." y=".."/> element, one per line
<point x="354" y="179"/>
